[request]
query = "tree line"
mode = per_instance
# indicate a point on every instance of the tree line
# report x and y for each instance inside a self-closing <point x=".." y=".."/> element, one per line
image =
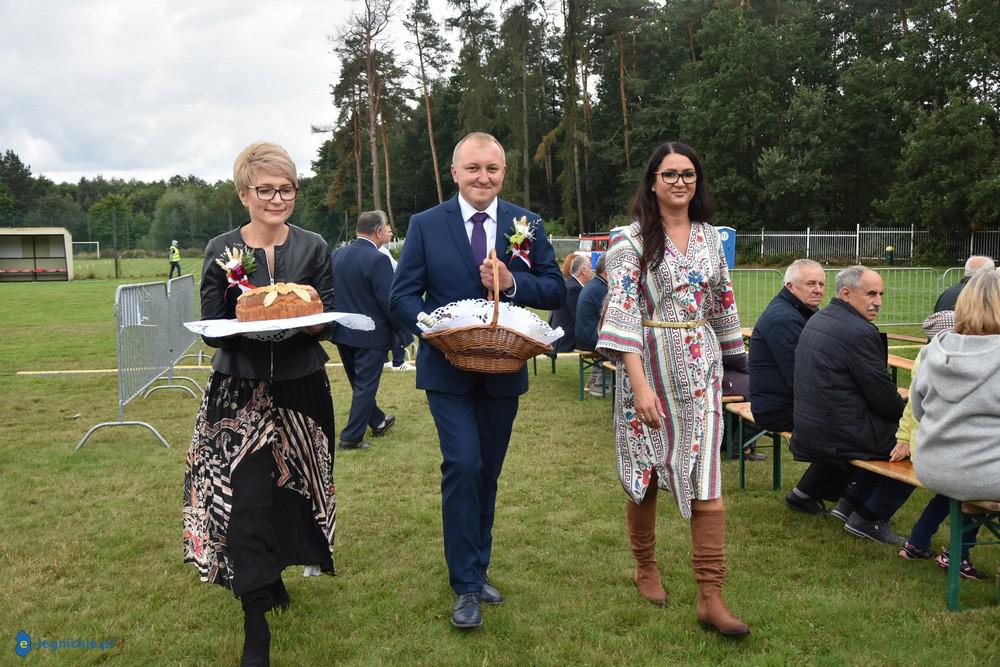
<point x="807" y="113"/>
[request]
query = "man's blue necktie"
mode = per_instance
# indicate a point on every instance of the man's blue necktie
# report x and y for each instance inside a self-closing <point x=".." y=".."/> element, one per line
<point x="479" y="237"/>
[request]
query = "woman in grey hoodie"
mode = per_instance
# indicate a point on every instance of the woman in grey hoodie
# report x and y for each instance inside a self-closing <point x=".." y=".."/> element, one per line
<point x="956" y="397"/>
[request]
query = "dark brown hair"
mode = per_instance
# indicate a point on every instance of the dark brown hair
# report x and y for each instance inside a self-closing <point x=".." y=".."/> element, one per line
<point x="646" y="209"/>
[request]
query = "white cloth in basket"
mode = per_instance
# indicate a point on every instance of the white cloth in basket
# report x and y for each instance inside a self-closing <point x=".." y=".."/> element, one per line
<point x="472" y="312"/>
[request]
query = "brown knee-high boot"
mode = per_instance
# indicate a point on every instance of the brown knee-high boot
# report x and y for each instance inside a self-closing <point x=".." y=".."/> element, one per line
<point x="708" y="560"/>
<point x="642" y="536"/>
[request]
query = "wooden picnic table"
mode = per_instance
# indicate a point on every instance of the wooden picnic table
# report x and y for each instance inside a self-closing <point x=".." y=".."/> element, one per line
<point x="907" y="339"/>
<point x="896" y="362"/>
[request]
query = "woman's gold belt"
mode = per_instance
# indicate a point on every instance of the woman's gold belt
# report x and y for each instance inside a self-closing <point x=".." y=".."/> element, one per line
<point x="692" y="324"/>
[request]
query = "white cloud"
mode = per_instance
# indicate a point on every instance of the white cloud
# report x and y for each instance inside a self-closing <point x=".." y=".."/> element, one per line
<point x="149" y="89"/>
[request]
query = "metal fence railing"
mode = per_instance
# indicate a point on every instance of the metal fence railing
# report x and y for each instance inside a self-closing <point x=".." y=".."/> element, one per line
<point x="754" y="289"/>
<point x="141" y="315"/>
<point x="864" y="244"/>
<point x="910" y="292"/>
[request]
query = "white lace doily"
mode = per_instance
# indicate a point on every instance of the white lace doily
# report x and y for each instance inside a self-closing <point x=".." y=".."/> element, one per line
<point x="277" y="330"/>
<point x="472" y="312"/>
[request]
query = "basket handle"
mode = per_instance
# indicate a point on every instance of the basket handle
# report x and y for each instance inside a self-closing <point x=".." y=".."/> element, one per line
<point x="496" y="288"/>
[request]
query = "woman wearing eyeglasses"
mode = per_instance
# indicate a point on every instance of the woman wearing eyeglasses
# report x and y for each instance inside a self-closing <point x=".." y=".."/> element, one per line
<point x="258" y="486"/>
<point x="671" y="317"/>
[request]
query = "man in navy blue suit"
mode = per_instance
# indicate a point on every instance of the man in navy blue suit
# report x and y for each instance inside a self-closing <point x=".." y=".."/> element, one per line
<point x="580" y="274"/>
<point x="445" y="259"/>
<point x="362" y="277"/>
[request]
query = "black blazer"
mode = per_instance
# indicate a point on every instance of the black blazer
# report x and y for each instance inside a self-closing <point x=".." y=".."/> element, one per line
<point x="565" y="317"/>
<point x="846" y="405"/>
<point x="362" y="278"/>
<point x="303" y="258"/>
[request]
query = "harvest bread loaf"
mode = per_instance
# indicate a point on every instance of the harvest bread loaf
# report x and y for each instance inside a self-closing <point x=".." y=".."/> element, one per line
<point x="278" y="301"/>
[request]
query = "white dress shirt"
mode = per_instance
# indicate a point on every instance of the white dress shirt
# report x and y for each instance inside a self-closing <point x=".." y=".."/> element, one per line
<point x="489" y="226"/>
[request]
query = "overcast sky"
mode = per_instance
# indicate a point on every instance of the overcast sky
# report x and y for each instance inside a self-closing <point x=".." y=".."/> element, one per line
<point x="147" y="89"/>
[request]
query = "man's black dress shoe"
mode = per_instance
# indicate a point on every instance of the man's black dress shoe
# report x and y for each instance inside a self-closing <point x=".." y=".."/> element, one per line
<point x="466" y="612"/>
<point x="347" y="444"/>
<point x="387" y="423"/>
<point x="490" y="594"/>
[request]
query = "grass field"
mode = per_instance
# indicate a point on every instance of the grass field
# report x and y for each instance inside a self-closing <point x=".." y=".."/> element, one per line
<point x="909" y="293"/>
<point x="93" y="548"/>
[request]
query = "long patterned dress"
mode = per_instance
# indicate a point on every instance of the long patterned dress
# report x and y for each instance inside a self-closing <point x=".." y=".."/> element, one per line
<point x="684" y="366"/>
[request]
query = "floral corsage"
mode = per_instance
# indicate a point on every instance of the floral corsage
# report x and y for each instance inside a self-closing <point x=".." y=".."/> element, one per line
<point x="238" y="262"/>
<point x="520" y="239"/>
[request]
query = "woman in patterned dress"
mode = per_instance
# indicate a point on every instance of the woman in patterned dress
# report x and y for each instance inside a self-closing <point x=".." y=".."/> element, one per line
<point x="671" y="317"/>
<point x="258" y="487"/>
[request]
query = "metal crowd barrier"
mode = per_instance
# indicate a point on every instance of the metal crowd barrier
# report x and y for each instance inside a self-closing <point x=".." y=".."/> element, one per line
<point x="754" y="289"/>
<point x="141" y="316"/>
<point x="180" y="309"/>
<point x="909" y="296"/>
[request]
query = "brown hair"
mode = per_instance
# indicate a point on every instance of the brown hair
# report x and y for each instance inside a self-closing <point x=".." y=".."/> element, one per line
<point x="977" y="312"/>
<point x="646" y="209"/>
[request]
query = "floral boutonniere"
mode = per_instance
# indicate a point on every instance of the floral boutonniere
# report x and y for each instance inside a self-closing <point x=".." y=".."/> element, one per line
<point x="238" y="262"/>
<point x="521" y="238"/>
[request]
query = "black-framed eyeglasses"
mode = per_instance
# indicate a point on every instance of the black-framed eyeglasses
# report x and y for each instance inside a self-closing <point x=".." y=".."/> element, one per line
<point x="669" y="176"/>
<point x="266" y="192"/>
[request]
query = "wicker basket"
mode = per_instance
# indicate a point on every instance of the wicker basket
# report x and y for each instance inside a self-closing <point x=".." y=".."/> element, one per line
<point x="487" y="348"/>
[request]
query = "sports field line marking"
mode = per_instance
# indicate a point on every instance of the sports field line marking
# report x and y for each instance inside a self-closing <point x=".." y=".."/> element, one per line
<point x="109" y="371"/>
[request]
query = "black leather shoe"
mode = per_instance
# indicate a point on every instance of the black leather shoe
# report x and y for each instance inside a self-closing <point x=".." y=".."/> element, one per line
<point x="347" y="444"/>
<point x="466" y="612"/>
<point x="490" y="594"/>
<point x="379" y="431"/>
<point x="806" y="505"/>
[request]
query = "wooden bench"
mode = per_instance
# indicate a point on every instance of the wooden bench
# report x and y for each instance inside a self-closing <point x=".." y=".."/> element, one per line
<point x="589" y="360"/>
<point x="896" y="362"/>
<point x="980" y="512"/>
<point x="534" y="362"/>
<point x="742" y="411"/>
<point x="907" y="339"/>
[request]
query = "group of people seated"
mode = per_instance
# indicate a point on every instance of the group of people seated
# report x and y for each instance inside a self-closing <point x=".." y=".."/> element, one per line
<point x="821" y="374"/>
<point x="586" y="290"/>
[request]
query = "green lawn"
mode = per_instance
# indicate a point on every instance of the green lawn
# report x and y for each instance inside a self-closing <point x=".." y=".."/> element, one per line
<point x="93" y="546"/>
<point x="909" y="293"/>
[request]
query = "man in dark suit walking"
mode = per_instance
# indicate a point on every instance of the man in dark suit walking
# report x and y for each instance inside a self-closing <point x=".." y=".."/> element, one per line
<point x="362" y="277"/>
<point x="444" y="260"/>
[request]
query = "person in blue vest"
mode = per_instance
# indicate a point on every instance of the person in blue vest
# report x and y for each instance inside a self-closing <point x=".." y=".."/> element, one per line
<point x="362" y="277"/>
<point x="445" y="259"/>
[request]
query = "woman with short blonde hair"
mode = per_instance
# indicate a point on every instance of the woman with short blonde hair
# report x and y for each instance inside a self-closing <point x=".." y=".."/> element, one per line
<point x="955" y="396"/>
<point x="258" y="486"/>
<point x="977" y="312"/>
<point x="263" y="156"/>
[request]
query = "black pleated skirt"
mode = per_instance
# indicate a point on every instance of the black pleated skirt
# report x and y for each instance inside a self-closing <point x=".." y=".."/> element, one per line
<point x="258" y="486"/>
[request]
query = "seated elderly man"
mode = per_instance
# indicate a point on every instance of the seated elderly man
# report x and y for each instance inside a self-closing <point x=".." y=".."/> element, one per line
<point x="772" y="357"/>
<point x="588" y="319"/>
<point x="847" y="407"/>
<point x="943" y="317"/>
<point x="579" y="275"/>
